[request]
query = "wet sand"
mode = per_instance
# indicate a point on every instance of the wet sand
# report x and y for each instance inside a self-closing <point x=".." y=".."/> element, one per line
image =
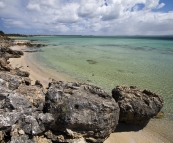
<point x="157" y="130"/>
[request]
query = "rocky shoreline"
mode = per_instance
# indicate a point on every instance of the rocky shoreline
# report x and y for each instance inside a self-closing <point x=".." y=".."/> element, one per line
<point x="65" y="111"/>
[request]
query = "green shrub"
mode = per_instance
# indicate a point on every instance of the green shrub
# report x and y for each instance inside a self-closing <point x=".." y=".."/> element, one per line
<point x="1" y="32"/>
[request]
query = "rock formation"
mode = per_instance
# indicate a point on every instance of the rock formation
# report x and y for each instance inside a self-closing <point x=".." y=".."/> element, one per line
<point x="28" y="44"/>
<point x="81" y="110"/>
<point x="67" y="112"/>
<point x="136" y="106"/>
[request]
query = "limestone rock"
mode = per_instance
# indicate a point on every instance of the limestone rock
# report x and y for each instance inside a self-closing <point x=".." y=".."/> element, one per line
<point x="3" y="94"/>
<point x="41" y="139"/>
<point x="21" y="139"/>
<point x="27" y="81"/>
<point x="4" y="91"/>
<point x="46" y="119"/>
<point x="34" y="94"/>
<point x="7" y="119"/>
<point x="19" y="72"/>
<point x="1" y="136"/>
<point x="17" y="102"/>
<point x="4" y="65"/>
<point x="84" y="109"/>
<point x="14" y="83"/>
<point x="3" y="83"/>
<point x="21" y="132"/>
<point x="136" y="106"/>
<point x="31" y="126"/>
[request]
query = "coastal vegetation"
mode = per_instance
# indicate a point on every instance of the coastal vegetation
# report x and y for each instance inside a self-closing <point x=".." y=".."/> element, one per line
<point x="1" y="33"/>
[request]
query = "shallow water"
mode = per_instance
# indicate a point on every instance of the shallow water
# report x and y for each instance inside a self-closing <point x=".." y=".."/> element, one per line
<point x="110" y="61"/>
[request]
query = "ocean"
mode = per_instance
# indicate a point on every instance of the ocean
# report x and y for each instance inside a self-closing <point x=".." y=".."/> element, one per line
<point x="108" y="61"/>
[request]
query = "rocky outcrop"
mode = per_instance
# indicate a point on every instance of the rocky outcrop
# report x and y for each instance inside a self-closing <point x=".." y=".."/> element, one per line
<point x="136" y="106"/>
<point x="5" y="41"/>
<point x="19" y="72"/>
<point x="13" y="81"/>
<point x="5" y="54"/>
<point x="34" y="94"/>
<point x="28" y="44"/>
<point x="81" y="110"/>
<point x="67" y="112"/>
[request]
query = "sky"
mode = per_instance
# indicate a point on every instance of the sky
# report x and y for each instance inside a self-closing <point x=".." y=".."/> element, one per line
<point x="87" y="17"/>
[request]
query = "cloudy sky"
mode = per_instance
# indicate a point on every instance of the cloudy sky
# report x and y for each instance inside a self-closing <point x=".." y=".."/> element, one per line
<point x="87" y="17"/>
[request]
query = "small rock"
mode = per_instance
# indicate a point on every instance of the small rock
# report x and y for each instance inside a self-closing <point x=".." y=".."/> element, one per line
<point x="27" y="81"/>
<point x="31" y="126"/>
<point x="21" y="132"/>
<point x="37" y="82"/>
<point x="3" y="83"/>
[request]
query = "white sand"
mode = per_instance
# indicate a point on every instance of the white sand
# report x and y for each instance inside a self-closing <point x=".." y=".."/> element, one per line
<point x="156" y="131"/>
<point x="36" y="71"/>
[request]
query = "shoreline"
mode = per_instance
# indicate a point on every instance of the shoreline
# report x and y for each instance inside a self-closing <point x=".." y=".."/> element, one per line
<point x="37" y="72"/>
<point x="146" y="135"/>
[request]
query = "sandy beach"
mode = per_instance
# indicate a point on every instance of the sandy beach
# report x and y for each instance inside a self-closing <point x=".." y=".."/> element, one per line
<point x="154" y="132"/>
<point x="36" y="71"/>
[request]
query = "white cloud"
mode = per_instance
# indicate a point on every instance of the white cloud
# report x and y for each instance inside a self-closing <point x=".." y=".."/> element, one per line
<point x="110" y="12"/>
<point x="2" y="5"/>
<point x="151" y="4"/>
<point x="33" y="7"/>
<point x="14" y="23"/>
<point x="109" y="17"/>
<point x="161" y="5"/>
<point x="87" y="9"/>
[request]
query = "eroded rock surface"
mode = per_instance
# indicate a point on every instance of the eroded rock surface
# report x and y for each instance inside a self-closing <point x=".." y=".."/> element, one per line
<point x="81" y="110"/>
<point x="34" y="94"/>
<point x="136" y="106"/>
<point x="67" y="112"/>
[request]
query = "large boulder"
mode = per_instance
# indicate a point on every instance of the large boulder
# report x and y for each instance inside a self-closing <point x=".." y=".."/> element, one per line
<point x="82" y="110"/>
<point x="136" y="106"/>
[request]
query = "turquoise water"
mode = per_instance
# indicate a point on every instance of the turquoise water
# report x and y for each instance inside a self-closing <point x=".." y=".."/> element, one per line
<point x="146" y="62"/>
